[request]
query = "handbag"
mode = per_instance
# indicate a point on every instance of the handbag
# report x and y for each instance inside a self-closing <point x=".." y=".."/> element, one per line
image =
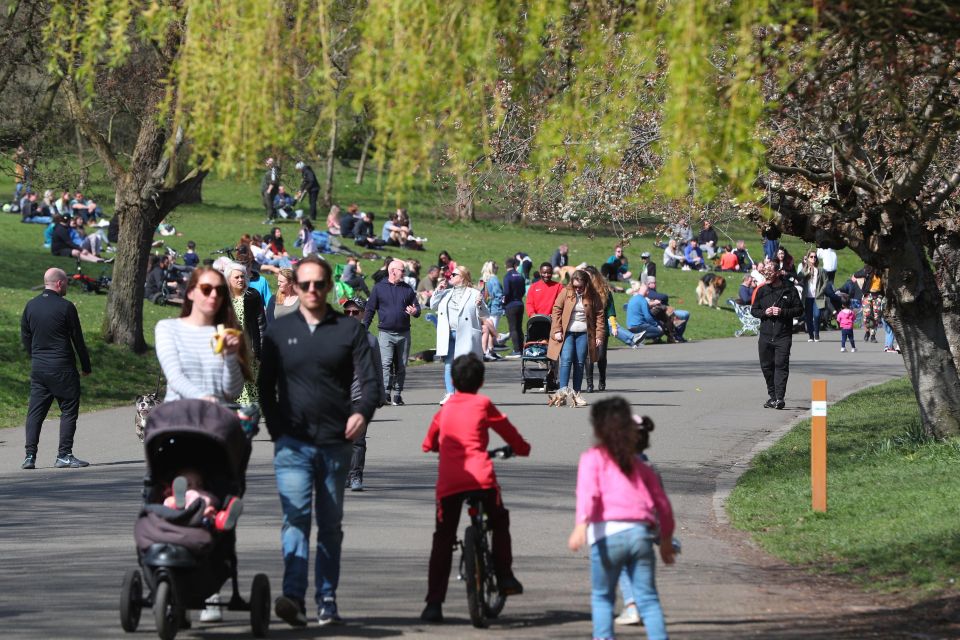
<point x="144" y="405"/>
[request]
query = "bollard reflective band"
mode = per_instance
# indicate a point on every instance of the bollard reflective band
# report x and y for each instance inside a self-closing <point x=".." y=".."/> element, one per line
<point x="818" y="408"/>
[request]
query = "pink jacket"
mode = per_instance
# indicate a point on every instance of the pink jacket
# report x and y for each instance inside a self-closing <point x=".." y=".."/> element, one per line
<point x="845" y="318"/>
<point x="604" y="493"/>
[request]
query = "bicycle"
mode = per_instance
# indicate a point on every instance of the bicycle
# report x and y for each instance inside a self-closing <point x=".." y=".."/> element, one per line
<point x="485" y="600"/>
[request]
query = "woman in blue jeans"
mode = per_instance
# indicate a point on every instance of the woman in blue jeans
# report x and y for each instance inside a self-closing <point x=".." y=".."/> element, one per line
<point x="460" y="314"/>
<point x="814" y="296"/>
<point x="578" y="327"/>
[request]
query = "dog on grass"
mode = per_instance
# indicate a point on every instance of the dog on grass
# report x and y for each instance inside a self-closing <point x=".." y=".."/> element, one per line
<point x="709" y="289"/>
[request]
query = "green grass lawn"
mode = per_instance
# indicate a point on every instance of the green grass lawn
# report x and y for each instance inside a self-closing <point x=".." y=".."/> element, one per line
<point x="893" y="497"/>
<point x="231" y="208"/>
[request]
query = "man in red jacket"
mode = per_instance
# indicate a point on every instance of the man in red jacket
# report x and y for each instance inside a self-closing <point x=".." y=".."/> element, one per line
<point x="543" y="293"/>
<point x="460" y="433"/>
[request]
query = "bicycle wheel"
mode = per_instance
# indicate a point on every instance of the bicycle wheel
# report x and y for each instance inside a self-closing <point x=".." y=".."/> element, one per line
<point x="473" y="575"/>
<point x="493" y="599"/>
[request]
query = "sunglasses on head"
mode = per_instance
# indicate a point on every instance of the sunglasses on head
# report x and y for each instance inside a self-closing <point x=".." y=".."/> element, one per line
<point x="455" y="274"/>
<point x="206" y="289"/>
<point x="318" y="285"/>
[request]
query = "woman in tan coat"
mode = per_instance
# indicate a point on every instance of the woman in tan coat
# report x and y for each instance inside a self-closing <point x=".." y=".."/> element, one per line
<point x="578" y="327"/>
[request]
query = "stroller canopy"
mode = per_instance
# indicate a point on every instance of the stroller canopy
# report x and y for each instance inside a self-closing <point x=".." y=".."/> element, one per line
<point x="538" y="328"/>
<point x="197" y="434"/>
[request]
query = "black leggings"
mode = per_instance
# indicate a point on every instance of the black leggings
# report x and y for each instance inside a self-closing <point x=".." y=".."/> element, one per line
<point x="601" y="362"/>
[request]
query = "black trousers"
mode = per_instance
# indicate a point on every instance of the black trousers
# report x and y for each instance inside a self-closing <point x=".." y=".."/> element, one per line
<point x="445" y="535"/>
<point x="515" y="322"/>
<point x="601" y="363"/>
<point x="268" y="203"/>
<point x="313" y="195"/>
<point x="775" y="363"/>
<point x="45" y="387"/>
<point x="359" y="458"/>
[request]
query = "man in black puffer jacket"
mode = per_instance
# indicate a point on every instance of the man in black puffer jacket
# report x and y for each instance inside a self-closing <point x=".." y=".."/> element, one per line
<point x="777" y="303"/>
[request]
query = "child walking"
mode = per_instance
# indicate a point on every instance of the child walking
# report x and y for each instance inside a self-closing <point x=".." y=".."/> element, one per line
<point x="460" y="433"/>
<point x="620" y="502"/>
<point x="845" y="319"/>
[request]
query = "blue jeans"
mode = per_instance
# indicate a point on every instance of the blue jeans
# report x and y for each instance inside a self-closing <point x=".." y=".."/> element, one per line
<point x="770" y="248"/>
<point x="632" y="550"/>
<point x="888" y="332"/>
<point x="811" y="317"/>
<point x="301" y="469"/>
<point x="680" y="314"/>
<point x="448" y="363"/>
<point x="573" y="354"/>
<point x="653" y="331"/>
<point x="623" y="335"/>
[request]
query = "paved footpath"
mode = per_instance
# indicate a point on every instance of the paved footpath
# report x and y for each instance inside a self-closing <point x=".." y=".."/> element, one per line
<point x="66" y="535"/>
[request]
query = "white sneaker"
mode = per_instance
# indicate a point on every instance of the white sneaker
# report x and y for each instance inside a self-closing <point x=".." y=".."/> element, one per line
<point x="445" y="398"/>
<point x="212" y="611"/>
<point x="629" y="615"/>
<point x="842" y="349"/>
<point x="852" y="350"/>
<point x="502" y="336"/>
<point x="809" y="339"/>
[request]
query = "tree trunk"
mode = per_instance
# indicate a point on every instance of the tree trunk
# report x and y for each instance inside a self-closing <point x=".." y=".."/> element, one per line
<point x="362" y="168"/>
<point x="331" y="152"/>
<point x="123" y="322"/>
<point x="463" y="209"/>
<point x="915" y="311"/>
<point x="946" y="259"/>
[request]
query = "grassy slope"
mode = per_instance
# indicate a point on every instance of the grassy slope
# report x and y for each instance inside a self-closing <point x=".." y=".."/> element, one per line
<point x="231" y="208"/>
<point x="893" y="496"/>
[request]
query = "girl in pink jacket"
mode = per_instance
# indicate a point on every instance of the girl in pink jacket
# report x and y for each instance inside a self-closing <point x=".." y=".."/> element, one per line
<point x="620" y="503"/>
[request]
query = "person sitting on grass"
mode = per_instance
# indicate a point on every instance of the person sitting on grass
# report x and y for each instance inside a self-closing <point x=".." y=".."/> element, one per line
<point x="62" y="244"/>
<point x="460" y="433"/>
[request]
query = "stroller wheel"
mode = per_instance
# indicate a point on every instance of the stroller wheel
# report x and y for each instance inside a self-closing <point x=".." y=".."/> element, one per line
<point x="165" y="612"/>
<point x="523" y="387"/>
<point x="260" y="605"/>
<point x="131" y="600"/>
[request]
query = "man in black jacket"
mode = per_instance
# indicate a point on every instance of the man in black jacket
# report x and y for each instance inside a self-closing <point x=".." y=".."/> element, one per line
<point x="395" y="301"/>
<point x="269" y="186"/>
<point x="50" y="331"/>
<point x="309" y="186"/>
<point x="307" y="366"/>
<point x="777" y="303"/>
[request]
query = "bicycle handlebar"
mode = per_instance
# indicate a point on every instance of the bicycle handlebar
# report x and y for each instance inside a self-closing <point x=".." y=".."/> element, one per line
<point x="501" y="453"/>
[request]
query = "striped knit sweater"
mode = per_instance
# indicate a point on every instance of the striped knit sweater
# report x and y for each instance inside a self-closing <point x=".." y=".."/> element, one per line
<point x="191" y="367"/>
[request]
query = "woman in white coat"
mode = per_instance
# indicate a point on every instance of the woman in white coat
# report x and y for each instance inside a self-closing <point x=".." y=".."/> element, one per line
<point x="460" y="311"/>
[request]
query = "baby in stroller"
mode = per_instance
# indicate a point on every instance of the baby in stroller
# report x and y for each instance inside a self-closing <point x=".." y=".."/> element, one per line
<point x="187" y="489"/>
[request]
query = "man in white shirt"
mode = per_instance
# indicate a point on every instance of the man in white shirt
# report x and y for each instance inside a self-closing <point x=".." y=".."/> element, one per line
<point x="828" y="262"/>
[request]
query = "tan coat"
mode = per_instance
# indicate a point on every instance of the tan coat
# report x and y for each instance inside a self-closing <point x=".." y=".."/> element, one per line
<point x="563" y="310"/>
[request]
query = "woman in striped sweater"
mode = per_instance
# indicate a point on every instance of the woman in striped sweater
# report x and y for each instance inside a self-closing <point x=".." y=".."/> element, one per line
<point x="185" y="344"/>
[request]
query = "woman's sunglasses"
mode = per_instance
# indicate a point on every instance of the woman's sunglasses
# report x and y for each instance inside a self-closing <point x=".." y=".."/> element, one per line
<point x="206" y="289"/>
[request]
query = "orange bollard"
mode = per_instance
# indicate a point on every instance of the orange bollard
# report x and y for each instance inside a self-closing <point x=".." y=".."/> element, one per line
<point x="818" y="446"/>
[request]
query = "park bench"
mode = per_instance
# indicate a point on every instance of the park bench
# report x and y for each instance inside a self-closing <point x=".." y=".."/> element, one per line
<point x="747" y="321"/>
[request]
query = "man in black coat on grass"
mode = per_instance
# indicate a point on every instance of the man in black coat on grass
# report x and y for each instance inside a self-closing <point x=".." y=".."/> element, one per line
<point x="309" y="186"/>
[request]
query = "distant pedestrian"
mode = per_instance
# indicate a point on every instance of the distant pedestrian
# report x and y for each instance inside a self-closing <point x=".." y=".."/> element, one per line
<point x="845" y="319"/>
<point x="269" y="187"/>
<point x="776" y="303"/>
<point x="310" y="187"/>
<point x="578" y="328"/>
<point x="354" y="308"/>
<point x="622" y="511"/>
<point x="308" y="363"/>
<point x="561" y="257"/>
<point x="395" y="302"/>
<point x="514" y="288"/>
<point x="460" y="312"/>
<point x="51" y="333"/>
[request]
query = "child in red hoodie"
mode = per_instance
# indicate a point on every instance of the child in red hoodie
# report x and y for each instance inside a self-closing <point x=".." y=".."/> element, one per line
<point x="460" y="433"/>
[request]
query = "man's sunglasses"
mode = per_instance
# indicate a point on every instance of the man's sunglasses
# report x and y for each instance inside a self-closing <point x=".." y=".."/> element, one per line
<point x="352" y="312"/>
<point x="318" y="285"/>
<point x="206" y="289"/>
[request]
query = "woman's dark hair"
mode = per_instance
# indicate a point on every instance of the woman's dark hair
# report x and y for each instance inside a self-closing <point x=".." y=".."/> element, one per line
<point x="275" y="240"/>
<point x="600" y="285"/>
<point x="467" y="373"/>
<point x="616" y="431"/>
<point x="224" y="314"/>
<point x="589" y="292"/>
<point x="306" y="224"/>
<point x="440" y="257"/>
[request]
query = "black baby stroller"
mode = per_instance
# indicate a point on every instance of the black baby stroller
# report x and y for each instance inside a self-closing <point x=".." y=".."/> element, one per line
<point x="536" y="370"/>
<point x="184" y="565"/>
